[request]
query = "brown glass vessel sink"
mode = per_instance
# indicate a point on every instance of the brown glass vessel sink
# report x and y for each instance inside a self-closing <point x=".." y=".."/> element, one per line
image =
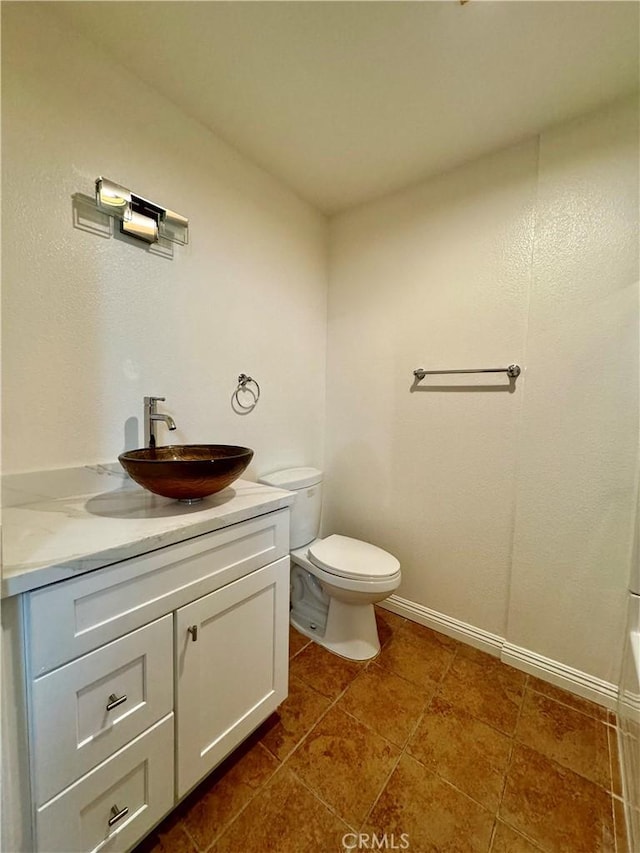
<point x="187" y="472"/>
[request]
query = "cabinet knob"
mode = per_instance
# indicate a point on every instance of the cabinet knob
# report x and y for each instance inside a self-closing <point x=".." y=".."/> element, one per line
<point x="117" y="814"/>
<point x="114" y="701"/>
<point x="193" y="630"/>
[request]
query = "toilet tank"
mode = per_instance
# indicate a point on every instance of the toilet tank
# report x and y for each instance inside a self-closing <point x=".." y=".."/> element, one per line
<point x="305" y="512"/>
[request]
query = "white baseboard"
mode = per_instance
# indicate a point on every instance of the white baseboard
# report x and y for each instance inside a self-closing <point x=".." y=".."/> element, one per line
<point x="574" y="680"/>
<point x="476" y="637"/>
<point x="581" y="683"/>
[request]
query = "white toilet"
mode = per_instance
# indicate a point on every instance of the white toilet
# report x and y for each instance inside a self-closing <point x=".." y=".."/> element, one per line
<point x="334" y="581"/>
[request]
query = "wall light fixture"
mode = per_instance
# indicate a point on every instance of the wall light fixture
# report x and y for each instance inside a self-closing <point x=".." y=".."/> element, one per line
<point x="140" y="218"/>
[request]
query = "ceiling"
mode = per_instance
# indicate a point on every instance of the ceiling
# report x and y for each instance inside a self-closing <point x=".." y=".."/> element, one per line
<point x="347" y="101"/>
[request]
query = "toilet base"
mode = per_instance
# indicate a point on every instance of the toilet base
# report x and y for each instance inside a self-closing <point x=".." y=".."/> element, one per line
<point x="350" y="631"/>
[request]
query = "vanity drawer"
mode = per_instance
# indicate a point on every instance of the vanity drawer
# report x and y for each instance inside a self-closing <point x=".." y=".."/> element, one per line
<point x="72" y="617"/>
<point x="86" y="710"/>
<point x="138" y="778"/>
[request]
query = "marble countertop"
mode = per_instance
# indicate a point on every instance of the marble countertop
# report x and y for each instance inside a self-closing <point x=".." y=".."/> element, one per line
<point x="58" y="524"/>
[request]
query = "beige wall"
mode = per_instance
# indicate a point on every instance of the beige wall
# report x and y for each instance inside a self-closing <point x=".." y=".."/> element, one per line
<point x="436" y="277"/>
<point x="579" y="430"/>
<point x="91" y="325"/>
<point x="509" y="511"/>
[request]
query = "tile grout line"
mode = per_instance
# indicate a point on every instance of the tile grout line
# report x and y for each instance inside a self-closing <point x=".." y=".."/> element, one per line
<point x="333" y="701"/>
<point x="554" y="761"/>
<point x="403" y="750"/>
<point x="612" y="741"/>
<point x="189" y="836"/>
<point x="370" y="662"/>
<point x="613" y="804"/>
<point x="596" y="723"/>
<point x="572" y="707"/>
<point x="319" y="719"/>
<point x="513" y="744"/>
<point x="510" y="759"/>
<point x="448" y="781"/>
<point x="622" y="835"/>
<point x="317" y="796"/>
<point x="291" y="657"/>
<point x="154" y="835"/>
<point x="257" y="791"/>
<point x="315" y="722"/>
<point x="393" y="770"/>
<point x="332" y="704"/>
<point x="408" y="681"/>
<point x="494" y="830"/>
<point x="480" y="719"/>
<point x="615" y="827"/>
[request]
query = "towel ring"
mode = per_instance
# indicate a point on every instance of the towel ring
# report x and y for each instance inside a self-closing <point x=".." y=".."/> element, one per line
<point x="247" y="385"/>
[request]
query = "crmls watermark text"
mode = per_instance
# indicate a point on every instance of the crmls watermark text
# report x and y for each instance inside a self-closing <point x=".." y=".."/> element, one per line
<point x="372" y="841"/>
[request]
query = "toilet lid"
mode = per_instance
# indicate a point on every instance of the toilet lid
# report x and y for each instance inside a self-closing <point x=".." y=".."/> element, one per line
<point x="351" y="558"/>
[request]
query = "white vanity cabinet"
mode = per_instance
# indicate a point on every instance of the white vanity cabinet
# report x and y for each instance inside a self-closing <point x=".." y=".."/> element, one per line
<point x="143" y="675"/>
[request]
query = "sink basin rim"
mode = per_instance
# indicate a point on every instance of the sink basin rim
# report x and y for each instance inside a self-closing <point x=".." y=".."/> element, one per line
<point x="139" y="454"/>
<point x="164" y="471"/>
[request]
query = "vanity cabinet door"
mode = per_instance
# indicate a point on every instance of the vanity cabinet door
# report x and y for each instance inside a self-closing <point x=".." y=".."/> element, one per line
<point x="231" y="667"/>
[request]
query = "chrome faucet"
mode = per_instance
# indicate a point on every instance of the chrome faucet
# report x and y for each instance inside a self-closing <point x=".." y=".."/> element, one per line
<point x="151" y="418"/>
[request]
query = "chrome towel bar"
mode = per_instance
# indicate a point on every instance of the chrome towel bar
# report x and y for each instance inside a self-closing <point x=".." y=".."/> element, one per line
<point x="512" y="371"/>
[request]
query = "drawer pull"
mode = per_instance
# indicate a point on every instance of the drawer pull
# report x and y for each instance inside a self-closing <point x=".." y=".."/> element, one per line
<point x="193" y="630"/>
<point x="117" y="814"/>
<point x="114" y="701"/>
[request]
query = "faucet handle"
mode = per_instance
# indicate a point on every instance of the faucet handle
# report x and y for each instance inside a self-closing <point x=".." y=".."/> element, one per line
<point x="151" y="400"/>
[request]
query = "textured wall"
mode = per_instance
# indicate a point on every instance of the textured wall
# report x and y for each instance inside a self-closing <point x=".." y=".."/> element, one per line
<point x="436" y="277"/>
<point x="529" y="255"/>
<point x="579" y="431"/>
<point x="91" y="325"/>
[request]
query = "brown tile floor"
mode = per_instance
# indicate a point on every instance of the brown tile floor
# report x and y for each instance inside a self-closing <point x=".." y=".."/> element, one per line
<point x="433" y="743"/>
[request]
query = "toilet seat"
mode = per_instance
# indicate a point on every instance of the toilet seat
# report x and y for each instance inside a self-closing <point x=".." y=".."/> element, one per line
<point x="353" y="559"/>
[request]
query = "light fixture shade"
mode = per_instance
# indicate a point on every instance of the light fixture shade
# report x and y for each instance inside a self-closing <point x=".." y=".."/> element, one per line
<point x="113" y="199"/>
<point x="143" y="227"/>
<point x="172" y="226"/>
